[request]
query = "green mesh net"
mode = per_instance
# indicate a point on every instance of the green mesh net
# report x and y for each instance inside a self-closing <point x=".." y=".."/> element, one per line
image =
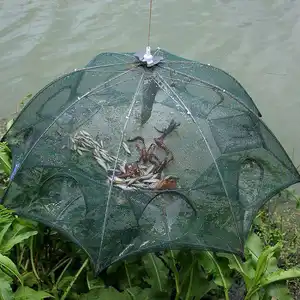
<point x="123" y="158"/>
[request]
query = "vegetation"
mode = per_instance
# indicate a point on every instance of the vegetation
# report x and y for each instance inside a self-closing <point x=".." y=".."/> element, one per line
<point x="35" y="263"/>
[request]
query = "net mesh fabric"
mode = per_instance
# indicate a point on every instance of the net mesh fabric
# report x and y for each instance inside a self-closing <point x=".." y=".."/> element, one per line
<point x="227" y="163"/>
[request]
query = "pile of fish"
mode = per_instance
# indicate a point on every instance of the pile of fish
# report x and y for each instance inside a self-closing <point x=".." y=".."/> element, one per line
<point x="145" y="180"/>
<point x="141" y="177"/>
<point x="82" y="141"/>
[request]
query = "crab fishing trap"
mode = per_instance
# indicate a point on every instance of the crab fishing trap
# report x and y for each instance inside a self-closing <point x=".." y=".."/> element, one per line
<point x="141" y="152"/>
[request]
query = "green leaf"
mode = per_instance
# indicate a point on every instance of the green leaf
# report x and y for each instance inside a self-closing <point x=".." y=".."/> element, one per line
<point x="112" y="269"/>
<point x="9" y="267"/>
<point x="218" y="267"/>
<point x="193" y="281"/>
<point x="262" y="278"/>
<point x="94" y="282"/>
<point x="133" y="274"/>
<point x="5" y="162"/>
<point x="137" y="293"/>
<point x="157" y="272"/>
<point x="105" y="294"/>
<point x="255" y="296"/>
<point x="197" y="285"/>
<point x="127" y="274"/>
<point x="64" y="282"/>
<point x="249" y="268"/>
<point x="272" y="265"/>
<point x="26" y="293"/>
<point x="5" y="288"/>
<point x="4" y="229"/>
<point x="254" y="246"/>
<point x="280" y="275"/>
<point x="186" y="261"/>
<point x="6" y="215"/>
<point x="207" y="263"/>
<point x="278" y="291"/>
<point x="29" y="279"/>
<point x="18" y="234"/>
<point x="235" y="263"/>
<point x="263" y="261"/>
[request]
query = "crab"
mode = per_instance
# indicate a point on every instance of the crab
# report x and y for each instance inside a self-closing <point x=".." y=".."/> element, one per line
<point x="147" y="155"/>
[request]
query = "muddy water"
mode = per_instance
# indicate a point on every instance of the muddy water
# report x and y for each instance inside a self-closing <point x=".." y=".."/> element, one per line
<point x="256" y="41"/>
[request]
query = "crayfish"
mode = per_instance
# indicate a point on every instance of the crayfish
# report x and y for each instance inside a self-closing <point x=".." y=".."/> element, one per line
<point x="148" y="155"/>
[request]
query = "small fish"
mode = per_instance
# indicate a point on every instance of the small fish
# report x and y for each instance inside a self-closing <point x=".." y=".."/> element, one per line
<point x="79" y="151"/>
<point x="99" y="152"/>
<point x="102" y="163"/>
<point x="122" y="168"/>
<point x="117" y="180"/>
<point x="103" y="151"/>
<point x="114" y="158"/>
<point x="106" y="157"/>
<point x="132" y="180"/>
<point x="148" y="176"/>
<point x="84" y="133"/>
<point x="126" y="148"/>
<point x="155" y="175"/>
<point x="140" y="185"/>
<point x="125" y="187"/>
<point x="87" y="144"/>
<point x="152" y="186"/>
<point x="149" y="170"/>
<point x="82" y="149"/>
<point x="97" y="145"/>
<point x="151" y="180"/>
<point x="143" y="167"/>
<point x="112" y="170"/>
<point x="87" y="139"/>
<point x="101" y="143"/>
